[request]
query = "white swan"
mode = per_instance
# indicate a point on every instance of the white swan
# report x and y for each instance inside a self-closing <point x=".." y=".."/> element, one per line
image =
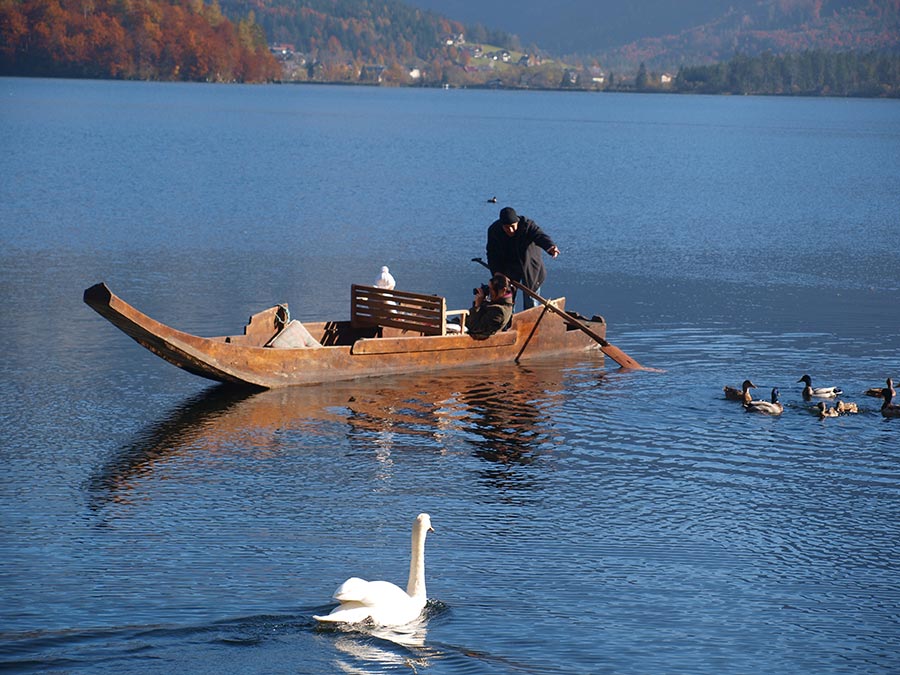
<point x="382" y="602"/>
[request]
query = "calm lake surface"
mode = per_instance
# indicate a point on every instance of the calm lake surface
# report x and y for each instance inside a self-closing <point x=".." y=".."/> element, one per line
<point x="587" y="520"/>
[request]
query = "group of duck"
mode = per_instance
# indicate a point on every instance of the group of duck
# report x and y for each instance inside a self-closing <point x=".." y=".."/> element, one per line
<point x="775" y="407"/>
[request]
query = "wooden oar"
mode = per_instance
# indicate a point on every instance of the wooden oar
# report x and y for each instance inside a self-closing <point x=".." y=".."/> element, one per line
<point x="610" y="350"/>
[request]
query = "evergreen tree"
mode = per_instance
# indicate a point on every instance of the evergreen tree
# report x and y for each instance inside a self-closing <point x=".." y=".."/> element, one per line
<point x="641" y="81"/>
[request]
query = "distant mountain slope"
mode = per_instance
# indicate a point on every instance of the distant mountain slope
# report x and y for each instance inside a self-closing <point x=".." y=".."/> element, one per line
<point x="666" y="34"/>
<point x="776" y="26"/>
<point x="580" y="26"/>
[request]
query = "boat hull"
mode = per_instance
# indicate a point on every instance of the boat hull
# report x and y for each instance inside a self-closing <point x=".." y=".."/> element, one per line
<point x="346" y="354"/>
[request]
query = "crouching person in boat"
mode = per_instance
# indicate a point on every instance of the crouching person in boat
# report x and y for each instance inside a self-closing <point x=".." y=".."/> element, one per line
<point x="492" y="308"/>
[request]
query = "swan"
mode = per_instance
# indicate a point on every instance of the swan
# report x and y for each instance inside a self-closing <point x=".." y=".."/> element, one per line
<point x="382" y="602"/>
<point x="742" y="394"/>
<point x="818" y="392"/>
<point x="772" y="407"/>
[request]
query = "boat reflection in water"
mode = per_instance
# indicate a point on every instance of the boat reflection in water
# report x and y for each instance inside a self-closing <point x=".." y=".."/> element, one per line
<point x="502" y="414"/>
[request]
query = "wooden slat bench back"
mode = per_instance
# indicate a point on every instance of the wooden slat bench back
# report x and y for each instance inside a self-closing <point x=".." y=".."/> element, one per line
<point x="416" y="312"/>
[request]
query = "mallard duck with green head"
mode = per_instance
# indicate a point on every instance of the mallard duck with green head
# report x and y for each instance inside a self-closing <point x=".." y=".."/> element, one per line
<point x="772" y="407"/>
<point x="818" y="392"/>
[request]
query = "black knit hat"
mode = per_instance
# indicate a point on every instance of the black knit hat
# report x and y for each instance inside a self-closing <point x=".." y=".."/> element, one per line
<point x="508" y="216"/>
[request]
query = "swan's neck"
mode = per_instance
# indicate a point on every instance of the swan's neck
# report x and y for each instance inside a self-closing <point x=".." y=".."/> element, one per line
<point x="416" y="585"/>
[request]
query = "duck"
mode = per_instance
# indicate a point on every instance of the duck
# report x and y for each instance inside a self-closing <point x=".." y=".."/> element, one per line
<point x="380" y="602"/>
<point x="492" y="200"/>
<point x="742" y="394"/>
<point x="878" y="392"/>
<point x="888" y="408"/>
<point x="818" y="392"/>
<point x="825" y="411"/>
<point x="772" y="407"/>
<point x="846" y="408"/>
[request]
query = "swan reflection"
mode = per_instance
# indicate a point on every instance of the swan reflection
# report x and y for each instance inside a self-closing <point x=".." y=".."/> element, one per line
<point x="371" y="646"/>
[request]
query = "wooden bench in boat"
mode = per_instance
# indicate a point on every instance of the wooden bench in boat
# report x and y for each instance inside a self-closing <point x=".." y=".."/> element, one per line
<point x="399" y="310"/>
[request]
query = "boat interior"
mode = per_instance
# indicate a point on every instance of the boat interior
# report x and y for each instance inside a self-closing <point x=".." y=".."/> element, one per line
<point x="375" y="312"/>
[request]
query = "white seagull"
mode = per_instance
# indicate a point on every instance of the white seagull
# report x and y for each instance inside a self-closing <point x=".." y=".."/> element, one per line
<point x="385" y="280"/>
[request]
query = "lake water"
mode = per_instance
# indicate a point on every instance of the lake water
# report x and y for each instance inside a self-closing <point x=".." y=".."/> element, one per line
<point x="587" y="520"/>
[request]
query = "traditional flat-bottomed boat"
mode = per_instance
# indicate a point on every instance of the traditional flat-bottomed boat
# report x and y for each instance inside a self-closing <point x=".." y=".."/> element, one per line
<point x="389" y="332"/>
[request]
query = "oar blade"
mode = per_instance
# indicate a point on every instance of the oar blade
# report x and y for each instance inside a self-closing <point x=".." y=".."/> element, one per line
<point x="621" y="357"/>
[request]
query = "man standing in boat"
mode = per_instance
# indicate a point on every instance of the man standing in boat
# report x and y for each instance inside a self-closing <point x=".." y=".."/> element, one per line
<point x="514" y="246"/>
<point x="492" y="308"/>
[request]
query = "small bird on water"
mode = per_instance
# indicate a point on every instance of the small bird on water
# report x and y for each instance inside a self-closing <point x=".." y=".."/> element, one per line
<point x="846" y="407"/>
<point x="818" y="392"/>
<point x="824" y="411"/>
<point x="742" y="394"/>
<point x="889" y="408"/>
<point x="878" y="392"/>
<point x="772" y="407"/>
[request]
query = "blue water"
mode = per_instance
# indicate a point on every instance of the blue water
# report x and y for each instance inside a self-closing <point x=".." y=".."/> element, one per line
<point x="587" y="520"/>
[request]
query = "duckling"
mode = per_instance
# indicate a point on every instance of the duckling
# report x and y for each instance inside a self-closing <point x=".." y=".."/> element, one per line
<point x="888" y="408"/>
<point x="818" y="392"/>
<point x="772" y="407"/>
<point x="846" y="408"/>
<point x="878" y="392"/>
<point x="742" y="394"/>
<point x="825" y="411"/>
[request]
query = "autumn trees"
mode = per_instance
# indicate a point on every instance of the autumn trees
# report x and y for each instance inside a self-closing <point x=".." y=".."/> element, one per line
<point x="145" y="39"/>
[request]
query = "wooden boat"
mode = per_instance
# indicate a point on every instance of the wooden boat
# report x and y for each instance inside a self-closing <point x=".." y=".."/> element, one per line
<point x="389" y="332"/>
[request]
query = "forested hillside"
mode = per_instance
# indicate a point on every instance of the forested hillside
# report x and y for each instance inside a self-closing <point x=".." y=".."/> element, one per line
<point x="775" y="26"/>
<point x="353" y="33"/>
<point x="366" y="29"/>
<point x="142" y="39"/>
<point x="666" y="34"/>
<point x="836" y="47"/>
<point x="811" y="73"/>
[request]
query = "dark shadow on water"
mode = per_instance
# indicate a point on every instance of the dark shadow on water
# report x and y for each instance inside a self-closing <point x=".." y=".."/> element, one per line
<point x="177" y="430"/>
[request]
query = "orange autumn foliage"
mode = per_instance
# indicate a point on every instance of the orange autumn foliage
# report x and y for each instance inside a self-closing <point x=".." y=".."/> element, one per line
<point x="131" y="39"/>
